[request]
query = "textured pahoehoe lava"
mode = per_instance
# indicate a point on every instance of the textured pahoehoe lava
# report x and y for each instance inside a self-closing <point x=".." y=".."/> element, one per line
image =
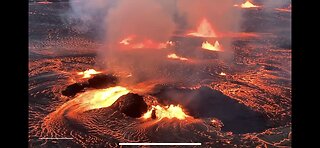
<point x="244" y="102"/>
<point x="74" y="117"/>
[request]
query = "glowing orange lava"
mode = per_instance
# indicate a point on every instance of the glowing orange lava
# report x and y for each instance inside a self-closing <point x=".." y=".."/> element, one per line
<point x="170" y="43"/>
<point x="204" y="30"/>
<point x="166" y="112"/>
<point x="247" y="4"/>
<point x="284" y="9"/>
<point x="131" y="42"/>
<point x="88" y="73"/>
<point x="174" y="56"/>
<point x="126" y="41"/>
<point x="242" y="35"/>
<point x="208" y="46"/>
<point x="92" y="99"/>
<point x="216" y="122"/>
<point x="101" y="97"/>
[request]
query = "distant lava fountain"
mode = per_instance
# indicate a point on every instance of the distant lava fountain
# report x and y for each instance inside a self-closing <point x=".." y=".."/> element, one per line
<point x="166" y="112"/>
<point x="88" y="73"/>
<point x="208" y="46"/>
<point x="204" y="30"/>
<point x="247" y="4"/>
<point x="174" y="56"/>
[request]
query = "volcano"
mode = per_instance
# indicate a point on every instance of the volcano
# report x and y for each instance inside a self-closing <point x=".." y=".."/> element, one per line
<point x="204" y="83"/>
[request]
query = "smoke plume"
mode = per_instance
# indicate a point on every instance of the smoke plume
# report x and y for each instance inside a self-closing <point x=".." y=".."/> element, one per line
<point x="142" y="25"/>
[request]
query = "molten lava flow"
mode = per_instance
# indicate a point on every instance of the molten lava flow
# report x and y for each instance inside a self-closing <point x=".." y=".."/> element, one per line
<point x="131" y="42"/>
<point x="204" y="30"/>
<point x="102" y="98"/>
<point x="166" y="112"/>
<point x="88" y="73"/>
<point x="284" y="9"/>
<point x="217" y="123"/>
<point x="208" y="46"/>
<point x="126" y="41"/>
<point x="44" y="2"/>
<point x="174" y="56"/>
<point x="247" y="4"/>
<point x="145" y="44"/>
<point x="166" y="44"/>
<point x="242" y="35"/>
<point x="92" y="99"/>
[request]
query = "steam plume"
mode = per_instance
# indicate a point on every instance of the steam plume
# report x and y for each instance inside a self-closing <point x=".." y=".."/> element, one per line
<point x="153" y="21"/>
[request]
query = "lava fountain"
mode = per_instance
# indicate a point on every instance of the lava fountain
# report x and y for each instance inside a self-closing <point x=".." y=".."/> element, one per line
<point x="204" y="30"/>
<point x="175" y="57"/>
<point x="222" y="74"/>
<point x="248" y="4"/>
<point x="208" y="46"/>
<point x="170" y="112"/>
